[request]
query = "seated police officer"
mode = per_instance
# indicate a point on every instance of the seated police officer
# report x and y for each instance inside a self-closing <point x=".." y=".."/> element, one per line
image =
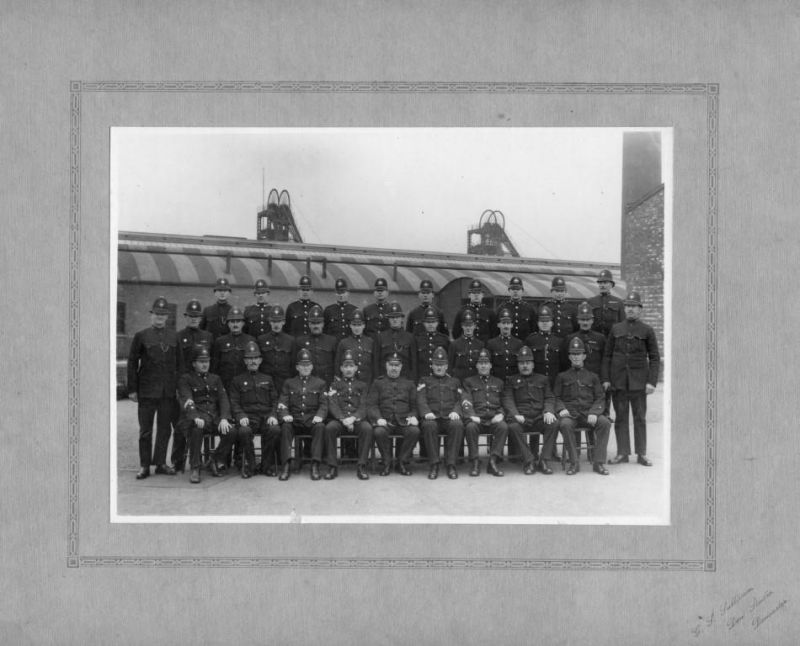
<point x="253" y="402"/>
<point x="439" y="398"/>
<point x="579" y="401"/>
<point x="205" y="410"/>
<point x="530" y="406"/>
<point x="392" y="408"/>
<point x="347" y="407"/>
<point x="482" y="404"/>
<point x="302" y="407"/>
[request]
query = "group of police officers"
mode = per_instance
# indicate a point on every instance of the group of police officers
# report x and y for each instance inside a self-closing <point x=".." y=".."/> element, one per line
<point x="513" y="374"/>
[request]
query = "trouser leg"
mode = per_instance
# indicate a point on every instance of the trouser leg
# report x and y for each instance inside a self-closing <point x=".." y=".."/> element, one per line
<point x="195" y="442"/>
<point x="601" y="431"/>
<point x="166" y="416"/>
<point x="146" y="413"/>
<point x="430" y="439"/>
<point x="384" y="442"/>
<point x="472" y="431"/>
<point x="621" y="410"/>
<point x="317" y="441"/>
<point x="638" y="401"/>
<point x="287" y="437"/>
<point x="499" y="434"/>
<point x="517" y="439"/>
<point x="453" y="440"/>
<point x="178" y="456"/>
<point x="566" y="426"/>
<point x="245" y="440"/>
<point x="365" y="435"/>
<point x="410" y="439"/>
<point x="332" y="431"/>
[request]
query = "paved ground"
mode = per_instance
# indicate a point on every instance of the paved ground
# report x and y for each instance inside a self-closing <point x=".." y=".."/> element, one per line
<point x="632" y="494"/>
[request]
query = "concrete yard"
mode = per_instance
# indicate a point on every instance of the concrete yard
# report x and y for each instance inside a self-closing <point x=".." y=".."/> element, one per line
<point x="632" y="494"/>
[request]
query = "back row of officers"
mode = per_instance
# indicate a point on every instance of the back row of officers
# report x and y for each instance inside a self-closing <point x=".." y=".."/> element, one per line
<point x="374" y="374"/>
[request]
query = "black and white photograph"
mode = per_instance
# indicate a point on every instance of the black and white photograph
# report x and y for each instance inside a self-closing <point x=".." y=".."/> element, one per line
<point x="458" y="248"/>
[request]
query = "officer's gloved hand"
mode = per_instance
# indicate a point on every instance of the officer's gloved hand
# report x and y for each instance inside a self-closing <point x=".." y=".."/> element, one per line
<point x="606" y="385"/>
<point x="412" y="421"/>
<point x="224" y="426"/>
<point x="520" y="418"/>
<point x="133" y="397"/>
<point x="288" y="419"/>
<point x="245" y="421"/>
<point x="563" y="413"/>
<point x="475" y="419"/>
<point x="199" y="422"/>
<point x="549" y="418"/>
<point x="348" y="422"/>
<point x="381" y="422"/>
<point x="316" y="419"/>
<point x="454" y="416"/>
<point x="497" y="418"/>
<point x="430" y="416"/>
<point x="272" y="421"/>
<point x="649" y="389"/>
<point x="592" y="419"/>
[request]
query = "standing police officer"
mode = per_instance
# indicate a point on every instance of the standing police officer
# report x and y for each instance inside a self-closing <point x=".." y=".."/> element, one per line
<point x="277" y="349"/>
<point x="564" y="313"/>
<point x="337" y="316"/>
<point x="321" y="347"/>
<point x="630" y="368"/>
<point x="227" y="359"/>
<point x="215" y="317"/>
<point x="607" y="309"/>
<point x="439" y="398"/>
<point x="414" y="323"/>
<point x="546" y="346"/>
<point x="360" y="346"/>
<point x="152" y="379"/>
<point x="297" y="311"/>
<point x="504" y="347"/>
<point x="463" y="351"/>
<point x="523" y="315"/>
<point x="256" y="317"/>
<point x="376" y="315"/>
<point x="485" y="318"/>
<point x="427" y="341"/>
<point x="397" y="341"/>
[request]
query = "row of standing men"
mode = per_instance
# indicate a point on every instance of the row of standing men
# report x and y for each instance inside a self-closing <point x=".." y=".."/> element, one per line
<point x="637" y="349"/>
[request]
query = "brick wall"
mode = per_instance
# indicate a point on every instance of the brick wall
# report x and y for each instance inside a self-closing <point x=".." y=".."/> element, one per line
<point x="642" y="262"/>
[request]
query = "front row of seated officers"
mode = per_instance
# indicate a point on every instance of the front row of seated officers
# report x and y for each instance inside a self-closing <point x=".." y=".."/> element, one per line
<point x="627" y="359"/>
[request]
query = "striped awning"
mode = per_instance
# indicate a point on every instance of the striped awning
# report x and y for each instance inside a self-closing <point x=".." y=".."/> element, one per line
<point x="199" y="267"/>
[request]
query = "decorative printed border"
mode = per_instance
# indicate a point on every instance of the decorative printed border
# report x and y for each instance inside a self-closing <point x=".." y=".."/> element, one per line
<point x="710" y="90"/>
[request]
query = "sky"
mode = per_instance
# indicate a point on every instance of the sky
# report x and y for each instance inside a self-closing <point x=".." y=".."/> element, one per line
<point x="400" y="188"/>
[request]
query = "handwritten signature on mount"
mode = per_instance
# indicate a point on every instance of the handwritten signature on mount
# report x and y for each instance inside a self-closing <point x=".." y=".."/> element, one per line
<point x="746" y="608"/>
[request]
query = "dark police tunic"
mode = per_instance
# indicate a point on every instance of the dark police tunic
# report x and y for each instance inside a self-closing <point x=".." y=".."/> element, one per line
<point x="323" y="353"/>
<point x="394" y="400"/>
<point x="362" y="348"/>
<point x="303" y="399"/>
<point x="547" y="354"/>
<point x="523" y="317"/>
<point x="426" y="343"/>
<point x="415" y="325"/>
<point x="376" y="318"/>
<point x="485" y="322"/>
<point x="252" y="395"/>
<point x="215" y="319"/>
<point x="531" y="397"/>
<point x="579" y="391"/>
<point x="188" y="340"/>
<point x="483" y="399"/>
<point x="607" y="311"/>
<point x="277" y="354"/>
<point x="297" y="317"/>
<point x="227" y="359"/>
<point x="153" y="363"/>
<point x="441" y="396"/>
<point x="210" y="403"/>
<point x="462" y="356"/>
<point x="565" y="317"/>
<point x="504" y="355"/>
<point x="256" y="319"/>
<point x="337" y="319"/>
<point x="348" y="398"/>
